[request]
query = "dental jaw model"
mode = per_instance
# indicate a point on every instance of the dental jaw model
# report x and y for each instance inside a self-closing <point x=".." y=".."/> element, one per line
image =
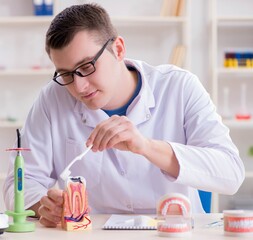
<point x="174" y="214"/>
<point x="75" y="206"/>
<point x="238" y="223"/>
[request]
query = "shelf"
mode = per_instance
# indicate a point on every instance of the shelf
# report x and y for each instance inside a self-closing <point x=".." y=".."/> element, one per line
<point x="29" y="20"/>
<point x="235" y="19"/>
<point x="10" y="124"/>
<point x="144" y="20"/>
<point x="135" y="20"/>
<point x="26" y="72"/>
<point x="235" y="71"/>
<point x="242" y="124"/>
<point x="249" y="174"/>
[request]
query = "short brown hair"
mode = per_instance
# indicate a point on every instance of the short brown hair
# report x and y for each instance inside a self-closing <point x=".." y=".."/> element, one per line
<point x="88" y="17"/>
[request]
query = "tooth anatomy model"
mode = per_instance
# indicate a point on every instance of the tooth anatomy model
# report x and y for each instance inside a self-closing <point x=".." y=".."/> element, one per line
<point x="75" y="215"/>
<point x="174" y="213"/>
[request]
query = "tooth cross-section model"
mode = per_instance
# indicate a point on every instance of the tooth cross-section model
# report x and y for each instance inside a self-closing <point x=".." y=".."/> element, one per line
<point x="75" y="215"/>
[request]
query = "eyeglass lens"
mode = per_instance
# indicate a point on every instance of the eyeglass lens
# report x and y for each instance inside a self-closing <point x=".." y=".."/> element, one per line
<point x="82" y="71"/>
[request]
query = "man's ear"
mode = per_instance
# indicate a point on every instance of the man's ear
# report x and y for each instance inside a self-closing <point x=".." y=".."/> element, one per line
<point x="119" y="48"/>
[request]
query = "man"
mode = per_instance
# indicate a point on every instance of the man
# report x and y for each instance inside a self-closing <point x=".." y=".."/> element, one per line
<point x="154" y="130"/>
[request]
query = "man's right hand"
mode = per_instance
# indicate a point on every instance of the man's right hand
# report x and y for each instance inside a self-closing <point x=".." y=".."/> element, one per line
<point x="50" y="209"/>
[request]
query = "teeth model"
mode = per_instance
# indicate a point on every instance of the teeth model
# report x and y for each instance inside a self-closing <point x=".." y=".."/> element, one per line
<point x="174" y="212"/>
<point x="173" y="204"/>
<point x="238" y="222"/>
<point x="75" y="207"/>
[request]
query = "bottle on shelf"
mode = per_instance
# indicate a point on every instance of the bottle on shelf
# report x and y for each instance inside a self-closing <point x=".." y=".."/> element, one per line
<point x="48" y="7"/>
<point x="38" y="7"/>
<point x="237" y="59"/>
<point x="243" y="113"/>
<point x="226" y="113"/>
<point x="43" y="7"/>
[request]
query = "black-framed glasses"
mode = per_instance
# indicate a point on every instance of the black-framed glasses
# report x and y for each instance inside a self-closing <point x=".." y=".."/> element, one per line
<point x="83" y="70"/>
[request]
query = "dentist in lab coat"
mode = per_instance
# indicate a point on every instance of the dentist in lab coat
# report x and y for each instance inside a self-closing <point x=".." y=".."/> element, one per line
<point x="154" y="129"/>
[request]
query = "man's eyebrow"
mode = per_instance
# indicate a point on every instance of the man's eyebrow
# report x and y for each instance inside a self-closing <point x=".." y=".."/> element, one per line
<point x="85" y="60"/>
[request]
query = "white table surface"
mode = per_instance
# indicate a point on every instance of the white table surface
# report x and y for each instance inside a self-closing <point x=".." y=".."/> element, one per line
<point x="200" y="231"/>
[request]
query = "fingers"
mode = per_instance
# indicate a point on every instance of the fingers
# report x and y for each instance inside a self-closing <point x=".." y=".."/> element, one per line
<point x="56" y="196"/>
<point x="109" y="133"/>
<point x="48" y="223"/>
<point x="51" y="208"/>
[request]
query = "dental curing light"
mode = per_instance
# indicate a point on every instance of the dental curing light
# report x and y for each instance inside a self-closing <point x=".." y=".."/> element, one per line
<point x="19" y="214"/>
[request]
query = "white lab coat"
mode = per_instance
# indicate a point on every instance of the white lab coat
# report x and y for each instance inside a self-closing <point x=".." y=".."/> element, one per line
<point x="172" y="106"/>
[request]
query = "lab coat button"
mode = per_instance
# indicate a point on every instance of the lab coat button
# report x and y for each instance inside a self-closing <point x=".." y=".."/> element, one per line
<point x="84" y="120"/>
<point x="148" y="116"/>
<point x="129" y="206"/>
<point x="122" y="173"/>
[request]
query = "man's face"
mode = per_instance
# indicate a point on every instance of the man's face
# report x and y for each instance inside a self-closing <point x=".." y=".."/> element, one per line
<point x="98" y="89"/>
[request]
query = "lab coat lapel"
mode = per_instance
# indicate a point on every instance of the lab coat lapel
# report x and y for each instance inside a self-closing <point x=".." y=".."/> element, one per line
<point x="90" y="118"/>
<point x="139" y="110"/>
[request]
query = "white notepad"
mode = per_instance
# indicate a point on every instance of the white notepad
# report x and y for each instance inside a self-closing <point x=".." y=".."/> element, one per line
<point x="130" y="222"/>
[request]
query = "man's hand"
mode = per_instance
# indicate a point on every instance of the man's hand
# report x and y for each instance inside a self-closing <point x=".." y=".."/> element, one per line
<point x="50" y="210"/>
<point x="117" y="132"/>
<point x="120" y="133"/>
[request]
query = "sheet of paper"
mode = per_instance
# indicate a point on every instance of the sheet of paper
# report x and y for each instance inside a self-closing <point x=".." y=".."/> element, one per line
<point x="131" y="222"/>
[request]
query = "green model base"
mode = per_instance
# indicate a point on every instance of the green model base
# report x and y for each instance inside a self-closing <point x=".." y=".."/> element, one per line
<point x="19" y="223"/>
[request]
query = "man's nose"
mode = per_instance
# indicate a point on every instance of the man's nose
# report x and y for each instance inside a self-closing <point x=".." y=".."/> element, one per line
<point x="80" y="82"/>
